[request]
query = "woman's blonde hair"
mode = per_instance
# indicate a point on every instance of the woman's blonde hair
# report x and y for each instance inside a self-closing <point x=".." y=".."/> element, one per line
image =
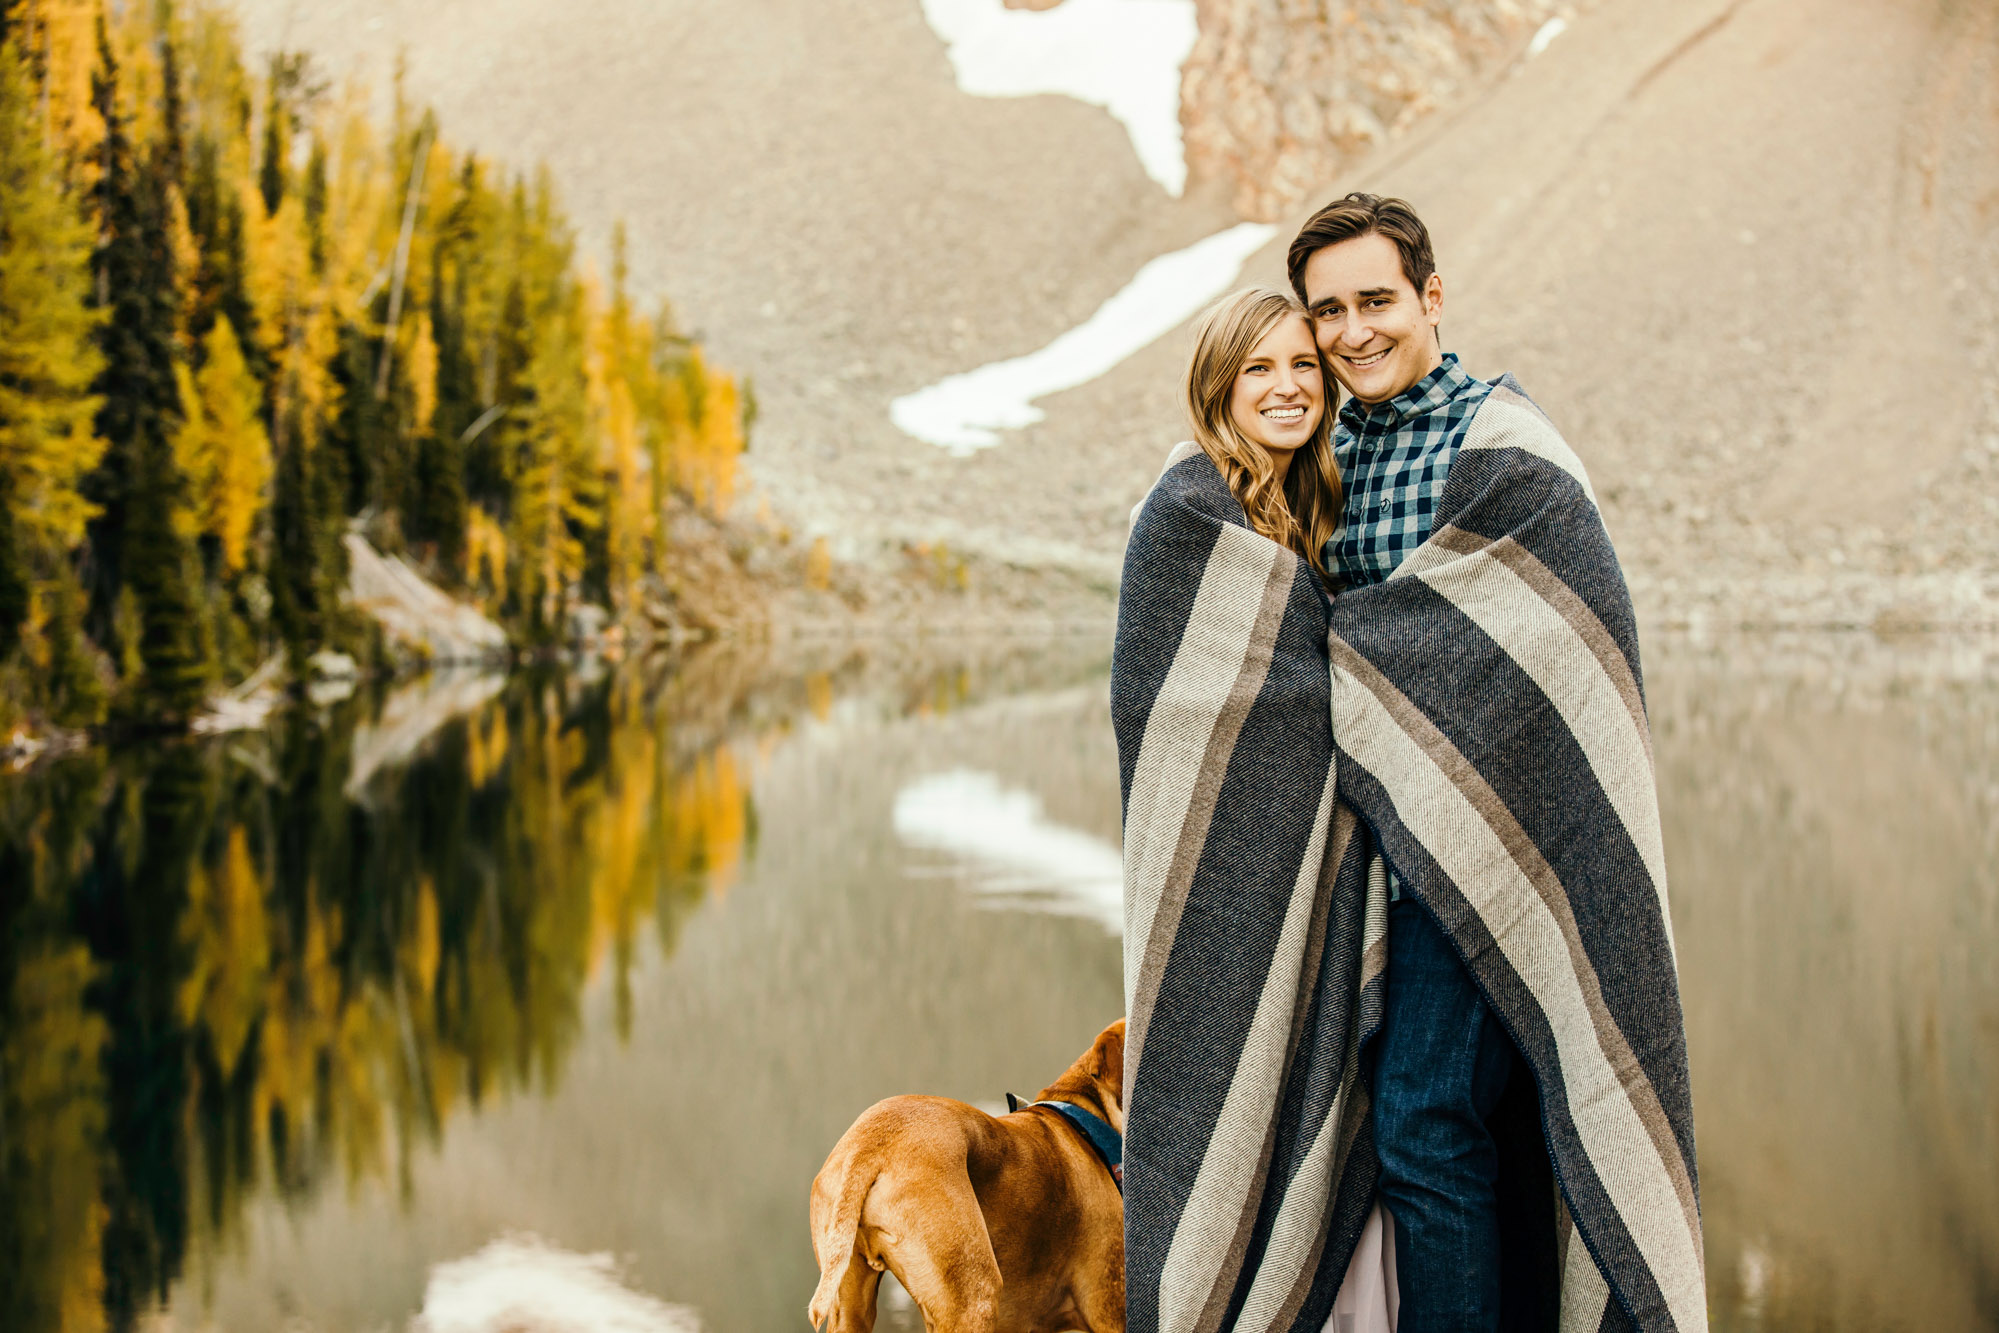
<point x="1304" y="512"/>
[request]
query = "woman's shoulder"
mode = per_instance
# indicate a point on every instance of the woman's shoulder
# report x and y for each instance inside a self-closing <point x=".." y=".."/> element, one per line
<point x="1189" y="481"/>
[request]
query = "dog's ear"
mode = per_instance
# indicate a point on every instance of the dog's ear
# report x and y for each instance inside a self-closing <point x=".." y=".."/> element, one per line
<point x="1107" y="1060"/>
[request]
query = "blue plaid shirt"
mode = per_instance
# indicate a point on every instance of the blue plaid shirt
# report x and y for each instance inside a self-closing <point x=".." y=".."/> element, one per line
<point x="1393" y="459"/>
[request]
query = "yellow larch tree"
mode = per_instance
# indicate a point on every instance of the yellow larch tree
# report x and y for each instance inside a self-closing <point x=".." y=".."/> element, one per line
<point x="720" y="441"/>
<point x="628" y="517"/>
<point x="222" y="447"/>
<point x="52" y="1093"/>
<point x="421" y="360"/>
<point x="61" y="37"/>
<point x="556" y="483"/>
<point x="360" y="228"/>
<point x="225" y="932"/>
<point x="48" y="360"/>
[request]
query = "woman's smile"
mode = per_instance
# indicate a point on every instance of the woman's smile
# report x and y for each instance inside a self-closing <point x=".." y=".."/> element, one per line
<point x="1280" y="392"/>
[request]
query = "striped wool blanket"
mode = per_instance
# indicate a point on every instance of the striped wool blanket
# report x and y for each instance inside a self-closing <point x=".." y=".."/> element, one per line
<point x="1482" y="714"/>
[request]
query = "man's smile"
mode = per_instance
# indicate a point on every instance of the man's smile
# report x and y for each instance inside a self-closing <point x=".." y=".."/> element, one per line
<point x="1371" y="359"/>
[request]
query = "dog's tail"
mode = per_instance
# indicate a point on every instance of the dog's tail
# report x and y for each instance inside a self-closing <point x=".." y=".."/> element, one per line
<point x="834" y="1239"/>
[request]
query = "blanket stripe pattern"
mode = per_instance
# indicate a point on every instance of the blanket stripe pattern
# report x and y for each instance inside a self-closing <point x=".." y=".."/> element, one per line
<point x="1255" y="928"/>
<point x="1490" y="719"/>
<point x="1488" y="731"/>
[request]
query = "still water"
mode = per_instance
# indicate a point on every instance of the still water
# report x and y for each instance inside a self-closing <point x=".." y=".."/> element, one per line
<point x="295" y="1026"/>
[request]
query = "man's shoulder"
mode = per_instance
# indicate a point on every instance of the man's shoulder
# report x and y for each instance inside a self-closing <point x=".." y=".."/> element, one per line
<point x="1472" y="392"/>
<point x="1507" y="418"/>
<point x="1507" y="393"/>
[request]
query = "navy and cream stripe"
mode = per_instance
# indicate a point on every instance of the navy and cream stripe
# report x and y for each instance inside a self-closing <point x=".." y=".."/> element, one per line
<point x="1483" y="713"/>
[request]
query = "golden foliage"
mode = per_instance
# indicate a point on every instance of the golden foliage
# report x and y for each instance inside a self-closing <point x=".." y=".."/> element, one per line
<point x="62" y="34"/>
<point x="51" y="1161"/>
<point x="48" y="442"/>
<point x="326" y="281"/>
<point x="422" y="372"/>
<point x="221" y="446"/>
<point x="337" y="1012"/>
<point x="486" y="555"/>
<point x="819" y="564"/>
<point x="631" y="512"/>
<point x="227" y="938"/>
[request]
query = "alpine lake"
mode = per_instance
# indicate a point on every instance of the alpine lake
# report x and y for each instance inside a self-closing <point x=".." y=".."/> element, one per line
<point x="297" y="1024"/>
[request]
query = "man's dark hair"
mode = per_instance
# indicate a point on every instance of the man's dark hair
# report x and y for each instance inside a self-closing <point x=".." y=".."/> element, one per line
<point x="1363" y="215"/>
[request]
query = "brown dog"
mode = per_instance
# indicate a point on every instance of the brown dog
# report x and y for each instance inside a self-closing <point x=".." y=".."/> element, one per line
<point x="1007" y="1224"/>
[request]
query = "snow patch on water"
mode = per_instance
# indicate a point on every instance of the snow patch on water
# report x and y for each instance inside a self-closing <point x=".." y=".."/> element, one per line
<point x="1122" y="55"/>
<point x="521" y="1284"/>
<point x="965" y="413"/>
<point x="1018" y="858"/>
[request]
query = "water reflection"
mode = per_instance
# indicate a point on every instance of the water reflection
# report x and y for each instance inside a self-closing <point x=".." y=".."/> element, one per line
<point x="998" y="842"/>
<point x="227" y="974"/>
<point x="1832" y="824"/>
<point x="287" y="1022"/>
<point x="524" y="1283"/>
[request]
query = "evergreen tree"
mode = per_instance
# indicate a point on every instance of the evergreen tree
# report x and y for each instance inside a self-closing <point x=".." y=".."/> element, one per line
<point x="173" y="140"/>
<point x="487" y="469"/>
<point x="296" y="605"/>
<point x="315" y="206"/>
<point x="136" y="542"/>
<point x="455" y="407"/>
<point x="557" y="490"/>
<point x="271" y="170"/>
<point x="218" y="287"/>
<point x="356" y="429"/>
<point x="15" y="594"/>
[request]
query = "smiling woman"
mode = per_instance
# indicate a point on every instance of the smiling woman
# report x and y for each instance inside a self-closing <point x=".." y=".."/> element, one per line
<point x="1256" y="397"/>
<point x="1278" y="400"/>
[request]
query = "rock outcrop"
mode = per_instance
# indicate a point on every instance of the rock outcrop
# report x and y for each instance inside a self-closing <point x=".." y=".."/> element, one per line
<point x="415" y="614"/>
<point x="1280" y="95"/>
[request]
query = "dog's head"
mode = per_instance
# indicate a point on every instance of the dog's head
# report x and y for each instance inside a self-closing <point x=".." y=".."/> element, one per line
<point x="1097" y="1076"/>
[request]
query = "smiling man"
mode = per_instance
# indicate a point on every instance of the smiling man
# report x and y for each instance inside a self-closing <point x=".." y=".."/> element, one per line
<point x="1365" y="270"/>
<point x="1363" y="266"/>
<point x="1490" y="731"/>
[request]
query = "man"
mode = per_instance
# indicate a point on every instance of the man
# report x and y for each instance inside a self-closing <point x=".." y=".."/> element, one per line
<point x="1438" y="657"/>
<point x="1369" y="282"/>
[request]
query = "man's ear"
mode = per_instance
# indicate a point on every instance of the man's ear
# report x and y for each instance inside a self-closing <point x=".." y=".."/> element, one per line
<point x="1433" y="298"/>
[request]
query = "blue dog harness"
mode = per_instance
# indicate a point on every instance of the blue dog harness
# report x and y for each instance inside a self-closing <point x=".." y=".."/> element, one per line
<point x="1106" y="1142"/>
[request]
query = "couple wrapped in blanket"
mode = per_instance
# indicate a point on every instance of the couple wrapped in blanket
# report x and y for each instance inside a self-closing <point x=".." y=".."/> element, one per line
<point x="1405" y="1046"/>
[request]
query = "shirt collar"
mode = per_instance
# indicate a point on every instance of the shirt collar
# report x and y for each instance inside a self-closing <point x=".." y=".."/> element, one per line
<point x="1428" y="394"/>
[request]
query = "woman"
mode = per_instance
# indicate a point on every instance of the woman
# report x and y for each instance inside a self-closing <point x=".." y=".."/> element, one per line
<point x="1250" y="900"/>
<point x="1257" y="395"/>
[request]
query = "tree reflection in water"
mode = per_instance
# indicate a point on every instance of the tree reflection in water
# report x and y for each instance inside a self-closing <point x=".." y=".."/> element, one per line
<point x="220" y="972"/>
<point x="231" y="972"/>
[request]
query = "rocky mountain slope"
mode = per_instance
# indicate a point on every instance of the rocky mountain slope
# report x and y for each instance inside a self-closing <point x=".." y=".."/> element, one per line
<point x="1741" y="250"/>
<point x="1279" y="98"/>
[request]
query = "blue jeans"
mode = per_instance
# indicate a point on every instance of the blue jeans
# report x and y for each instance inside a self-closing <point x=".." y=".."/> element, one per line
<point x="1442" y="1061"/>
